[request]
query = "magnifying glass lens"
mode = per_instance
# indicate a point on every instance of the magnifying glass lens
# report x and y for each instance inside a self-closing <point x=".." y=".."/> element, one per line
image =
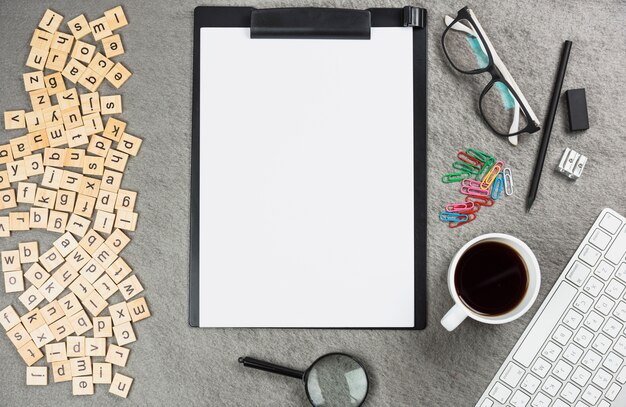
<point x="336" y="380"/>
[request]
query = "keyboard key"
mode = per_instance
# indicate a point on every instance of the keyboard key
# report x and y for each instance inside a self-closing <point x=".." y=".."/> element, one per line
<point x="583" y="302"/>
<point x="512" y="374"/>
<point x="600" y="239"/>
<point x="604" y="270"/>
<point x="562" y="335"/>
<point x="591" y="395"/>
<point x="560" y="403"/>
<point x="601" y="344"/>
<point x="519" y="399"/>
<point x="610" y="223"/>
<point x="562" y="369"/>
<point x="592" y="359"/>
<point x="615" y="289"/>
<point x="593" y="286"/>
<point x="581" y="376"/>
<point x="531" y="383"/>
<point x="589" y="255"/>
<point x="572" y="353"/>
<point x="611" y="394"/>
<point x="570" y="392"/>
<point x="621" y="272"/>
<point x="612" y="327"/>
<point x="604" y="403"/>
<point x="604" y="305"/>
<point x="620" y="311"/>
<point x="541" y="367"/>
<point x="500" y="393"/>
<point x="615" y="254"/>
<point x="573" y="318"/>
<point x="551" y="351"/>
<point x="602" y="379"/>
<point x="620" y="346"/>
<point x="551" y="386"/>
<point x="539" y="332"/>
<point x="578" y="273"/>
<point x="621" y="377"/>
<point x="541" y="401"/>
<point x="613" y="362"/>
<point x="594" y="321"/>
<point x="487" y="403"/>
<point x="583" y="337"/>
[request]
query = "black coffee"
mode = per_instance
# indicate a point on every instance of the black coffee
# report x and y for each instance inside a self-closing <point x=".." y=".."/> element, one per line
<point x="491" y="278"/>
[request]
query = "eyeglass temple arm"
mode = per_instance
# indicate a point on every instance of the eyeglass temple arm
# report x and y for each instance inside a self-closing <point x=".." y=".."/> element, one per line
<point x="270" y="367"/>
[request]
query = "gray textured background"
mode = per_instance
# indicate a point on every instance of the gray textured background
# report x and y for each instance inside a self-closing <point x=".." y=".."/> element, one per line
<point x="176" y="365"/>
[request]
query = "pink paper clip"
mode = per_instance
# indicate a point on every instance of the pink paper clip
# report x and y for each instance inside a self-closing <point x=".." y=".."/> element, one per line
<point x="470" y="218"/>
<point x="475" y="209"/>
<point x="468" y="182"/>
<point x="473" y="191"/>
<point x="460" y="207"/>
<point x="463" y="156"/>
<point x="491" y="175"/>
<point x="480" y="200"/>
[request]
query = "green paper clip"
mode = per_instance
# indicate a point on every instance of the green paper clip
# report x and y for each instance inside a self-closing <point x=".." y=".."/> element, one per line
<point x="463" y="166"/>
<point x="455" y="177"/>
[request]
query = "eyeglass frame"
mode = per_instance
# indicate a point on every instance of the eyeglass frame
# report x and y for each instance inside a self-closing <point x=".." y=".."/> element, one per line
<point x="498" y="72"/>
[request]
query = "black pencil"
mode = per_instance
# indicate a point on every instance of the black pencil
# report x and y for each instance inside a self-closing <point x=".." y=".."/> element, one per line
<point x="547" y="128"/>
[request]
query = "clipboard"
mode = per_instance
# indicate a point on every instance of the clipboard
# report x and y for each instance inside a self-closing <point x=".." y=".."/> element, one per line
<point x="367" y="282"/>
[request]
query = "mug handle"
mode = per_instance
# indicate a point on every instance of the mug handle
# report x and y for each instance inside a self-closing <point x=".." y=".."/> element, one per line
<point x="454" y="317"/>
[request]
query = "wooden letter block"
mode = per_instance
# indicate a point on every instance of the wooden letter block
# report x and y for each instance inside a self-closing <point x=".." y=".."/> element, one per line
<point x="138" y="309"/>
<point x="70" y="304"/>
<point x="93" y="166"/>
<point x="116" y="160"/>
<point x="116" y="18"/>
<point x="95" y="347"/>
<point x="50" y="21"/>
<point x="90" y="80"/>
<point x="105" y="286"/>
<point x="81" y="287"/>
<point x="32" y="320"/>
<point x="78" y="225"/>
<point x="92" y="271"/>
<point x="106" y="201"/>
<point x="10" y="260"/>
<point x="80" y="322"/>
<point x="129" y="144"/>
<point x="54" y="157"/>
<point x="100" y="65"/>
<point x="102" y="373"/>
<point x="9" y="318"/>
<point x="34" y="166"/>
<point x="61" y="371"/>
<point x="95" y="304"/>
<point x="79" y="26"/>
<point x="120" y="386"/>
<point x="7" y="199"/>
<point x="30" y="353"/>
<point x="102" y="327"/>
<point x="113" y="46"/>
<point x="41" y="39"/>
<point x="44" y="198"/>
<point x="77" y="137"/>
<point x="100" y="28"/>
<point x="39" y="99"/>
<point x="114" y="129"/>
<point x="17" y="171"/>
<point x="71" y="181"/>
<point x="65" y="244"/>
<point x="52" y="177"/>
<point x="111" y="104"/>
<point x="42" y="336"/>
<point x="117" y="355"/>
<point x="20" y="147"/>
<point x="38" y="139"/>
<point x="62" y="42"/>
<point x="75" y="158"/>
<point x="19" y="221"/>
<point x="56" y="60"/>
<point x="52" y="312"/>
<point x="56" y="352"/>
<point x="93" y="123"/>
<point x="126" y="220"/>
<point x="83" y="52"/>
<point x="72" y="118"/>
<point x="90" y="103"/>
<point x="117" y="241"/>
<point x="118" y="270"/>
<point x="31" y="298"/>
<point x="61" y="329"/>
<point x="111" y="180"/>
<point x="99" y="146"/>
<point x="51" y="259"/>
<point x="118" y="75"/>
<point x="52" y="117"/>
<point x="5" y="231"/>
<point x="26" y="194"/>
<point x="14" y="120"/>
<point x="57" y="221"/>
<point x="51" y="289"/>
<point x="54" y="83"/>
<point x="66" y="273"/>
<point x="18" y="335"/>
<point x="35" y="122"/>
<point x="104" y="256"/>
<point x="37" y="58"/>
<point x="36" y="275"/>
<point x="33" y="81"/>
<point x="37" y="376"/>
<point x="84" y="203"/>
<point x="104" y="222"/>
<point x="13" y="282"/>
<point x="38" y="218"/>
<point x="81" y="366"/>
<point x="119" y="313"/>
<point x="65" y="201"/>
<point x="68" y="98"/>
<point x="82" y="386"/>
<point x="124" y="334"/>
<point x="91" y="241"/>
<point x="75" y="346"/>
<point x="74" y="70"/>
<point x="6" y="154"/>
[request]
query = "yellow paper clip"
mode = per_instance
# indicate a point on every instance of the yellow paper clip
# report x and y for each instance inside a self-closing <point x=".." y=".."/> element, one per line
<point x="491" y="175"/>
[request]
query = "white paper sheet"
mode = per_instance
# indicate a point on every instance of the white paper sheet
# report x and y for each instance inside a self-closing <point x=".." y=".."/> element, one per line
<point x="306" y="180"/>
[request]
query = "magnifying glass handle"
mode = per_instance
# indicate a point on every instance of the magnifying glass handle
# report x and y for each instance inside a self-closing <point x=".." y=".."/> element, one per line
<point x="270" y="367"/>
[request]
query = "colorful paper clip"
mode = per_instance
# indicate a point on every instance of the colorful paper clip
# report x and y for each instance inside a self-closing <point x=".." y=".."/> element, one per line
<point x="459" y="207"/>
<point x="490" y="177"/>
<point x="480" y="200"/>
<point x="463" y="166"/>
<point x="470" y="218"/>
<point x="474" y="191"/>
<point x="453" y="217"/>
<point x="470" y="183"/>
<point x="463" y="156"/>
<point x="508" y="181"/>
<point x="498" y="186"/>
<point x="455" y="177"/>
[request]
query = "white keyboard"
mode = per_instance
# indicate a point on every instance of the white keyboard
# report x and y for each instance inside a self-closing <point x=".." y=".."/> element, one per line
<point x="573" y="351"/>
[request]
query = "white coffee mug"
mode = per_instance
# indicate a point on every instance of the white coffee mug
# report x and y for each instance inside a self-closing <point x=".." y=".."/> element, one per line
<point x="460" y="311"/>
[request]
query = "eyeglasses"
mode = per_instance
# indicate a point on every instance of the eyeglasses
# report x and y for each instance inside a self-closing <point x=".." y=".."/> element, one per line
<point x="502" y="105"/>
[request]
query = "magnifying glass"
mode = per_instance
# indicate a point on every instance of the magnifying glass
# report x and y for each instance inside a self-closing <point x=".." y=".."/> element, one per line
<point x="333" y="380"/>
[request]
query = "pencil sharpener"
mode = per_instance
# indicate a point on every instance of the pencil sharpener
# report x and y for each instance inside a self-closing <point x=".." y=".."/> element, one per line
<point x="572" y="164"/>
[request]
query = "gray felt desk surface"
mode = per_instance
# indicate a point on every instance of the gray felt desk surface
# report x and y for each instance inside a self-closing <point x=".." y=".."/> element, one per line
<point x="175" y="365"/>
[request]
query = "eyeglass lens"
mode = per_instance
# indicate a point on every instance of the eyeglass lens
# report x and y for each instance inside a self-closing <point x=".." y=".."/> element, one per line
<point x="501" y="110"/>
<point x="464" y="47"/>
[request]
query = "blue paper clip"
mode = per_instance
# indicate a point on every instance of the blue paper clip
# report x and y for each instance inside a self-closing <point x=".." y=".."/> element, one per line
<point x="453" y="217"/>
<point x="498" y="185"/>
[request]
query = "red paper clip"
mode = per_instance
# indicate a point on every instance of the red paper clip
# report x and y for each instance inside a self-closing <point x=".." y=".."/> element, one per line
<point x="473" y="191"/>
<point x="460" y="207"/>
<point x="481" y="200"/>
<point x="470" y="218"/>
<point x="463" y="156"/>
